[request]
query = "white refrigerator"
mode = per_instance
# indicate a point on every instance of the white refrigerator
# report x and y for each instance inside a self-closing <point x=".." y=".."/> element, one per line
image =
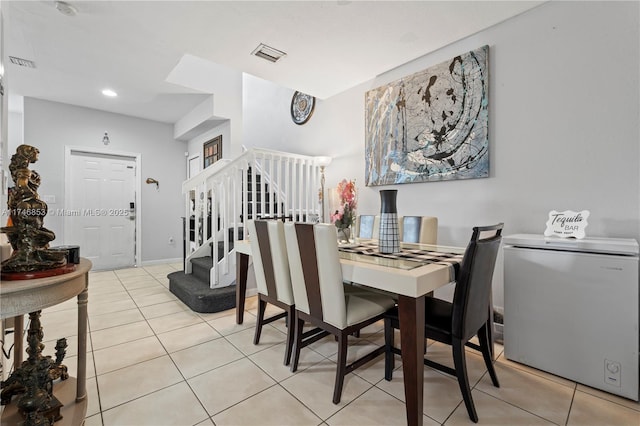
<point x="571" y="309"/>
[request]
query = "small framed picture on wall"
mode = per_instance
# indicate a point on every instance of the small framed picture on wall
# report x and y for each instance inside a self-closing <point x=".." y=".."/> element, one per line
<point x="212" y="151"/>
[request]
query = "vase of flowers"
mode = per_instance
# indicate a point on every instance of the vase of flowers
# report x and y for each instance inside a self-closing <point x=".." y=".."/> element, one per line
<point x="345" y="215"/>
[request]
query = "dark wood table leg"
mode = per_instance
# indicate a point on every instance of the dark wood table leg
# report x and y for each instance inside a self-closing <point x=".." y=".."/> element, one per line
<point x="411" y="316"/>
<point x="242" y="266"/>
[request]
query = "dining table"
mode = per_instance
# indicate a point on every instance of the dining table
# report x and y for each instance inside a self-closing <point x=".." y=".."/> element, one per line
<point x="412" y="274"/>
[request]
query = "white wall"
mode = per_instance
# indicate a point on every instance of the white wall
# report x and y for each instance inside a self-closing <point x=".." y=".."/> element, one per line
<point x="196" y="144"/>
<point x="564" y="112"/>
<point x="16" y="129"/>
<point x="51" y="126"/>
<point x="4" y="110"/>
<point x="267" y="119"/>
<point x="226" y="85"/>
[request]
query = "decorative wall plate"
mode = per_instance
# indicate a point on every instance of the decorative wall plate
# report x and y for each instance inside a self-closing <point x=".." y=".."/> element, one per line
<point x="302" y="106"/>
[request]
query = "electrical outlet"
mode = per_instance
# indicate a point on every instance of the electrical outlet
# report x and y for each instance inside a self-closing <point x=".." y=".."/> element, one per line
<point x="612" y="372"/>
<point x="171" y="240"/>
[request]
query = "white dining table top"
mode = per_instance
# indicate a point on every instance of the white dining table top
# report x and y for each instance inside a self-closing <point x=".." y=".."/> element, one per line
<point x="415" y="282"/>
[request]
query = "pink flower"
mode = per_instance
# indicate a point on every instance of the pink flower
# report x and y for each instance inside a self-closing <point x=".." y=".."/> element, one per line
<point x="337" y="216"/>
<point x="345" y="215"/>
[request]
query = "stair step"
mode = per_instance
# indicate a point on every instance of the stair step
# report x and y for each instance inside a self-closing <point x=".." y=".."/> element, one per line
<point x="200" y="268"/>
<point x="197" y="295"/>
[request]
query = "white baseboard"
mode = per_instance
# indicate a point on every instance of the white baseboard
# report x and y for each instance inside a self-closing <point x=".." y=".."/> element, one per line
<point x="498" y="332"/>
<point x="161" y="261"/>
<point x="498" y="329"/>
<point x="251" y="292"/>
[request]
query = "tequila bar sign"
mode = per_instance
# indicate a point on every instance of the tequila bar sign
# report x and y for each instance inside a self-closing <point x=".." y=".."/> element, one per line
<point x="567" y="224"/>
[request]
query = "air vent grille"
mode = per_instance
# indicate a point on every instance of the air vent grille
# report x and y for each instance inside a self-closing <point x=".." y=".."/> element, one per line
<point x="22" y="62"/>
<point x="269" y="53"/>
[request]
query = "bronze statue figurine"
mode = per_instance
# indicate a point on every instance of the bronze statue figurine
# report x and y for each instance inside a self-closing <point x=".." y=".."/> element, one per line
<point x="26" y="233"/>
<point x="33" y="380"/>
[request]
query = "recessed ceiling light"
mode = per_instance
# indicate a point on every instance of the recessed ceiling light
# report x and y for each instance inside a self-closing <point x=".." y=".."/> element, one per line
<point x="110" y="93"/>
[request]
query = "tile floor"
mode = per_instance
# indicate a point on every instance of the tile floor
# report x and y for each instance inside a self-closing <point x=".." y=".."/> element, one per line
<point x="154" y="362"/>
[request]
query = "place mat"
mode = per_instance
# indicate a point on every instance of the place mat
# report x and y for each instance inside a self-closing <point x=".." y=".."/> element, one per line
<point x="420" y="256"/>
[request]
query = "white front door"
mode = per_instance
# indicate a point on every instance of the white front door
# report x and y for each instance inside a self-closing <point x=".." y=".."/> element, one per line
<point x="101" y="208"/>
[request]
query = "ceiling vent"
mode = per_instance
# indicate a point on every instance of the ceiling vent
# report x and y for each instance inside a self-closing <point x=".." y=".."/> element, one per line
<point x="22" y="62"/>
<point x="66" y="9"/>
<point x="269" y="53"/>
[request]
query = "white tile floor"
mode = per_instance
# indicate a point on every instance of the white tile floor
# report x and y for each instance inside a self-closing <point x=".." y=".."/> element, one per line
<point x="154" y="362"/>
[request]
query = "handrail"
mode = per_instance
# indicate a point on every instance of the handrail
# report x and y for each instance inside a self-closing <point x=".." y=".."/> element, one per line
<point x="258" y="183"/>
<point x="220" y="165"/>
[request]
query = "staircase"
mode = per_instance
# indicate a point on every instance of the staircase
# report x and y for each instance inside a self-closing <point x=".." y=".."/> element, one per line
<point x="270" y="183"/>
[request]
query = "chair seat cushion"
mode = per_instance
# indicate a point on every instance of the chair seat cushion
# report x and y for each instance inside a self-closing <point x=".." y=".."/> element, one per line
<point x="437" y="314"/>
<point x="363" y="305"/>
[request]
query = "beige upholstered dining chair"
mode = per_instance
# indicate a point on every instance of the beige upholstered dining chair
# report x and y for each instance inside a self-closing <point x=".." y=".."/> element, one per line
<point x="368" y="226"/>
<point x="272" y="276"/>
<point x="418" y="229"/>
<point x="413" y="229"/>
<point x="321" y="298"/>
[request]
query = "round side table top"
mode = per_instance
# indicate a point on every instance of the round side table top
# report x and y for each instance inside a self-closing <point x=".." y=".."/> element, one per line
<point x="23" y="296"/>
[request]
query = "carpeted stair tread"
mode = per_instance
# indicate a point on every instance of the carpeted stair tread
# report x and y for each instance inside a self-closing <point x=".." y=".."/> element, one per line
<point x="197" y="295"/>
<point x="201" y="266"/>
<point x="205" y="262"/>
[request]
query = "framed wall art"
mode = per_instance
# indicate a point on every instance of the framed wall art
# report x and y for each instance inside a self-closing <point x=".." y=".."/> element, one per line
<point x="431" y="125"/>
<point x="212" y="151"/>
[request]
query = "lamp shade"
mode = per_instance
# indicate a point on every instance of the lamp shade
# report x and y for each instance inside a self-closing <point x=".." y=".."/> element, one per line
<point x="322" y="161"/>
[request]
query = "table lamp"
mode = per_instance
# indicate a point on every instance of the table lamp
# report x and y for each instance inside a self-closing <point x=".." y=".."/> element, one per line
<point x="322" y="162"/>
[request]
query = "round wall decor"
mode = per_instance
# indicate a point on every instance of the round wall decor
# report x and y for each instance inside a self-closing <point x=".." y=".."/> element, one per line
<point x="302" y="106"/>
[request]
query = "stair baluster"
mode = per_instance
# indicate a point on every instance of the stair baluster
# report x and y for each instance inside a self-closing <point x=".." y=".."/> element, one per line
<point x="218" y="201"/>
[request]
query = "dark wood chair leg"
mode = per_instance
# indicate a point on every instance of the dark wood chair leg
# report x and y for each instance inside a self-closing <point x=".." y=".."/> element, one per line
<point x="460" y="364"/>
<point x="299" y="325"/>
<point x="490" y="331"/>
<point x="262" y="306"/>
<point x="341" y="369"/>
<point x="483" y="337"/>
<point x="291" y="328"/>
<point x="389" y="358"/>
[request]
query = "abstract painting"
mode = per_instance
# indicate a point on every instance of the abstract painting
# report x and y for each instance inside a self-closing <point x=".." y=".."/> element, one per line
<point x="431" y="125"/>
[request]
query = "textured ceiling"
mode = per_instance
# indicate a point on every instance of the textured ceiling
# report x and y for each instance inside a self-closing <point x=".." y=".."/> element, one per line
<point x="132" y="46"/>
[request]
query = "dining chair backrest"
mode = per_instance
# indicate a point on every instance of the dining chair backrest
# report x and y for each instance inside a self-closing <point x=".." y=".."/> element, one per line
<point x="419" y="229"/>
<point x="316" y="272"/>
<point x="413" y="229"/>
<point x="472" y="297"/>
<point x="368" y="226"/>
<point x="270" y="262"/>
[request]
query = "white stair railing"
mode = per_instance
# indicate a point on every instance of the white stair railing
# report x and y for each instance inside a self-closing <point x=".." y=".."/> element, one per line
<point x="260" y="183"/>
